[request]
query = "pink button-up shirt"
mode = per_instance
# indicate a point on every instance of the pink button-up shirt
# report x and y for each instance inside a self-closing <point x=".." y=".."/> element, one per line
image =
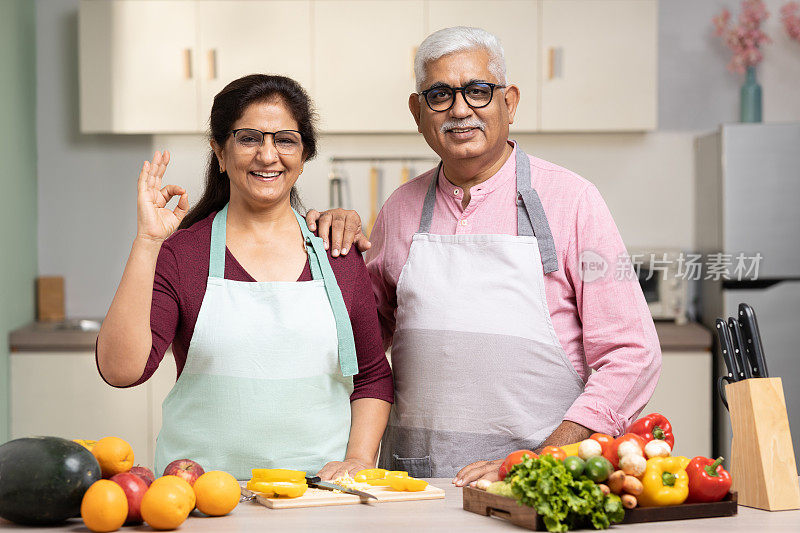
<point x="601" y="319"/>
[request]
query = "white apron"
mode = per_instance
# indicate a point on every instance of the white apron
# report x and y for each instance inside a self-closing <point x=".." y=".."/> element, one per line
<point x="262" y="386"/>
<point x="478" y="369"/>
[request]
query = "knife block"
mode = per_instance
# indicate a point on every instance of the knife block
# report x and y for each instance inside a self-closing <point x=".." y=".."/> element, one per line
<point x="762" y="457"/>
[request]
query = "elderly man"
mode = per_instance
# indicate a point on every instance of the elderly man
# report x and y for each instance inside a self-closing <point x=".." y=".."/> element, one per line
<point x="478" y="267"/>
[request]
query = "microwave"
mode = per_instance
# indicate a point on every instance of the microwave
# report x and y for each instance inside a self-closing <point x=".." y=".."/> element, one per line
<point x="664" y="284"/>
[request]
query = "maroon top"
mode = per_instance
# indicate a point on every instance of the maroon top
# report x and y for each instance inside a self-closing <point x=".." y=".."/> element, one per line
<point x="180" y="285"/>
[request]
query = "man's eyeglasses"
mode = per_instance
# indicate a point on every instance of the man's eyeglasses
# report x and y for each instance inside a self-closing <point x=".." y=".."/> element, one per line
<point x="477" y="95"/>
<point x="286" y="142"/>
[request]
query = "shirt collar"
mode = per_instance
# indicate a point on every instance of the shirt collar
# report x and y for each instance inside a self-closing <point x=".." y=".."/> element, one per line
<point x="506" y="172"/>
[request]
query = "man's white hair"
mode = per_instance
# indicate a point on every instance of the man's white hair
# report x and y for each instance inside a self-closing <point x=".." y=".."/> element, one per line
<point x="456" y="39"/>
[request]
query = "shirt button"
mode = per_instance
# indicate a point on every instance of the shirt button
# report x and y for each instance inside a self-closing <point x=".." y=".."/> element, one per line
<point x="456" y="192"/>
<point x="463" y="222"/>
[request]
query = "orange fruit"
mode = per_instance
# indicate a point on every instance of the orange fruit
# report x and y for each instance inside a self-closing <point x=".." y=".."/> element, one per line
<point x="217" y="493"/>
<point x="167" y="502"/>
<point x="114" y="455"/>
<point x="104" y="506"/>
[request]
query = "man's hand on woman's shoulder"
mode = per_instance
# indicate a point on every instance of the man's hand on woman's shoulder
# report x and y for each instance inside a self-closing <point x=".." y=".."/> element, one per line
<point x="339" y="229"/>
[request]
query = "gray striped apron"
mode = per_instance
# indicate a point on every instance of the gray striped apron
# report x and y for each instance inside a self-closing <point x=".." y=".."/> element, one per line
<point x="479" y="371"/>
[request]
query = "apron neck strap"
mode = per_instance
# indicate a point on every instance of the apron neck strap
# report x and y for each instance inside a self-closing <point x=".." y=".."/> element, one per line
<point x="531" y="218"/>
<point x="216" y="266"/>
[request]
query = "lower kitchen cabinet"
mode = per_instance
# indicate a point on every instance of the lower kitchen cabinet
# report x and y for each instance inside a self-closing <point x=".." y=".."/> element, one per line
<point x="684" y="396"/>
<point x="61" y="394"/>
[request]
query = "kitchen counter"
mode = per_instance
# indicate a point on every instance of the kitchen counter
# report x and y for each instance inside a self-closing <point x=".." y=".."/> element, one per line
<point x="431" y="515"/>
<point x="68" y="336"/>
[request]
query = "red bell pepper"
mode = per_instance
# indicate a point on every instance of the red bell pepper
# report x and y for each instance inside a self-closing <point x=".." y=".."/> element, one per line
<point x="612" y="451"/>
<point x="654" y="426"/>
<point x="708" y="481"/>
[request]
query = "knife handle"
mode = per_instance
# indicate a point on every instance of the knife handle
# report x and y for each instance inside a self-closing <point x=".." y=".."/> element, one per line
<point x="747" y="317"/>
<point x="313" y="479"/>
<point x="723" y="335"/>
<point x="739" y="355"/>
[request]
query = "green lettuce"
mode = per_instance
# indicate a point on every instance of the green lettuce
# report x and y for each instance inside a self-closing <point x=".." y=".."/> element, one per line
<point x="563" y="501"/>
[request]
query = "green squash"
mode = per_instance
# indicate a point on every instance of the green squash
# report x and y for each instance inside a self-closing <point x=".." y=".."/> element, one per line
<point x="43" y="479"/>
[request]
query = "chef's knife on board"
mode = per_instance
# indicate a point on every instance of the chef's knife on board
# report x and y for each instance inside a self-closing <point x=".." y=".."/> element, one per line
<point x="745" y="370"/>
<point x="752" y="337"/>
<point x="316" y="481"/>
<point x="726" y="347"/>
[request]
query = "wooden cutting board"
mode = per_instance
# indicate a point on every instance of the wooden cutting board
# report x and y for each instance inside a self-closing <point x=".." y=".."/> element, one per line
<point x="320" y="497"/>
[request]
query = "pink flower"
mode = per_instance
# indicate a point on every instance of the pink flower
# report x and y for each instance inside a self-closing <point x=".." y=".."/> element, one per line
<point x="790" y="15"/>
<point x="745" y="38"/>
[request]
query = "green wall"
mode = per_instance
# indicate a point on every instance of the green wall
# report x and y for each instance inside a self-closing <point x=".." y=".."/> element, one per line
<point x="18" y="236"/>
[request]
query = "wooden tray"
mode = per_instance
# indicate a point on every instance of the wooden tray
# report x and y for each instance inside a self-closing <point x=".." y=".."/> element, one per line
<point x="320" y="497"/>
<point x="487" y="504"/>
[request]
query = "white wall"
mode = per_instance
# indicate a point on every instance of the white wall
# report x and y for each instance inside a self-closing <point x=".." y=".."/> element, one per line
<point x="87" y="182"/>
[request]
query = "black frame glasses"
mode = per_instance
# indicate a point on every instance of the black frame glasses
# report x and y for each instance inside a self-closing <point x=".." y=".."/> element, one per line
<point x="281" y="148"/>
<point x="463" y="91"/>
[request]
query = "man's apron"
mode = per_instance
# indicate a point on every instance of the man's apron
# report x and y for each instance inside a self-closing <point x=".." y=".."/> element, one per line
<point x="268" y="375"/>
<point x="478" y="369"/>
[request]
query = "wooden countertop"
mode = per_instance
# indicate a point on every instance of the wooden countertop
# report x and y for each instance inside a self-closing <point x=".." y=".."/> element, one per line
<point x="431" y="515"/>
<point x="51" y="337"/>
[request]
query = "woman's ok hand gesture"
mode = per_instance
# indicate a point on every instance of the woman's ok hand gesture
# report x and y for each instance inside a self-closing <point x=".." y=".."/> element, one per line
<point x="154" y="220"/>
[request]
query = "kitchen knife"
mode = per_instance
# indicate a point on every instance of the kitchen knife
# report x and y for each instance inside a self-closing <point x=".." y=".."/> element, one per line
<point x="752" y="336"/>
<point x="315" y="481"/>
<point x="725" y="346"/>
<point x="745" y="370"/>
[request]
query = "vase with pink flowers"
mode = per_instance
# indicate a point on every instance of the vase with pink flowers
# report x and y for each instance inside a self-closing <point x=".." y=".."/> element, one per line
<point x="745" y="39"/>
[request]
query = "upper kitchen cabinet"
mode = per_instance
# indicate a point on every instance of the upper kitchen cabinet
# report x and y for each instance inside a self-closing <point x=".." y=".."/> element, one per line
<point x="599" y="65"/>
<point x="519" y="35"/>
<point x="364" y="63"/>
<point x="138" y="66"/>
<point x="245" y="37"/>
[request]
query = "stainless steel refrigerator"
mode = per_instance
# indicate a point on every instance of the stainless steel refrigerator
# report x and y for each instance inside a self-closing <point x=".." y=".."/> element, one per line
<point x="747" y="202"/>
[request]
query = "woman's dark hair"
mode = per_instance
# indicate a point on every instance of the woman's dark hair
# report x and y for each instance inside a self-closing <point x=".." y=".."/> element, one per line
<point x="229" y="105"/>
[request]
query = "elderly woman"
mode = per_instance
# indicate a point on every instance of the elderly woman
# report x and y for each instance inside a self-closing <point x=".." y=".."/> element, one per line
<point x="277" y="344"/>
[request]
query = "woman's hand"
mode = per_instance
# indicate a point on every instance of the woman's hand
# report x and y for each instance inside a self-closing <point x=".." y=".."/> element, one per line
<point x="154" y="221"/>
<point x="348" y="467"/>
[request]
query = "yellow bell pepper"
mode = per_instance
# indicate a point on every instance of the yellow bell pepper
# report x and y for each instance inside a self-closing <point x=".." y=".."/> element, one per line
<point x="571" y="449"/>
<point x="665" y="482"/>
<point x="88" y="444"/>
<point x="287" y="489"/>
<point x="408" y="484"/>
<point x="370" y="473"/>
<point x="383" y="481"/>
<point x="278" y="474"/>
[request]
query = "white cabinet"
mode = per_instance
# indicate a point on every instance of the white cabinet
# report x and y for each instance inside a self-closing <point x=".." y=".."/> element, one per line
<point x="364" y="63"/>
<point x="599" y="65"/>
<point x="519" y="36"/>
<point x="242" y="37"/>
<point x="61" y="394"/>
<point x="138" y="66"/>
<point x="684" y="396"/>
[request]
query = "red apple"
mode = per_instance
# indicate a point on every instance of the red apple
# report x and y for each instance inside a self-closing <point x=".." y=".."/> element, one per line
<point x="134" y="488"/>
<point x="143" y="472"/>
<point x="185" y="469"/>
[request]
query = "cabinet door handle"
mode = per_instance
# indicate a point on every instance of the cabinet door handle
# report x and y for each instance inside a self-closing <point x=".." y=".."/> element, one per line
<point x="413" y="56"/>
<point x="212" y="64"/>
<point x="555" y="63"/>
<point x="187" y="63"/>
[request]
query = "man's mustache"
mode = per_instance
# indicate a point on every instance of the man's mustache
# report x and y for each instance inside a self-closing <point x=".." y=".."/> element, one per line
<point x="457" y="123"/>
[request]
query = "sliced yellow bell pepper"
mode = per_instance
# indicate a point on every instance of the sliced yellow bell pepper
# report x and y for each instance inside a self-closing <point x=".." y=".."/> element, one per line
<point x="571" y="449"/>
<point x="370" y="473"/>
<point x="278" y="474"/>
<point x="665" y="482"/>
<point x="408" y="484"/>
<point x="285" y="489"/>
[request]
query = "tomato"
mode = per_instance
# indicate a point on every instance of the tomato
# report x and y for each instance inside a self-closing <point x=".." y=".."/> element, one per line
<point x="612" y="454"/>
<point x="555" y="451"/>
<point x="604" y="440"/>
<point x="513" y="458"/>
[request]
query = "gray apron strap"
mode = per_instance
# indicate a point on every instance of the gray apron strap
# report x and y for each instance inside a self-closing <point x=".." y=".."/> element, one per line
<point x="531" y="218"/>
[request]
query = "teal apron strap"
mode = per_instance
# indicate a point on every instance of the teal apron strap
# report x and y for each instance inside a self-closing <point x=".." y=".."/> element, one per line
<point x="216" y="266"/>
<point x="321" y="269"/>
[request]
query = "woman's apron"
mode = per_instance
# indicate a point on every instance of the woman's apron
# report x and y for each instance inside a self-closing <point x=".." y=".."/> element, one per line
<point x="478" y="368"/>
<point x="268" y="374"/>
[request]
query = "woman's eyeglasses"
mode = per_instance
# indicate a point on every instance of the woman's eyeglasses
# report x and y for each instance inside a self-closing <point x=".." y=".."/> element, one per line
<point x="286" y="142"/>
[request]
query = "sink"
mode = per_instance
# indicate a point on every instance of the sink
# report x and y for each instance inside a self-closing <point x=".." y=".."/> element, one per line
<point x="81" y="324"/>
